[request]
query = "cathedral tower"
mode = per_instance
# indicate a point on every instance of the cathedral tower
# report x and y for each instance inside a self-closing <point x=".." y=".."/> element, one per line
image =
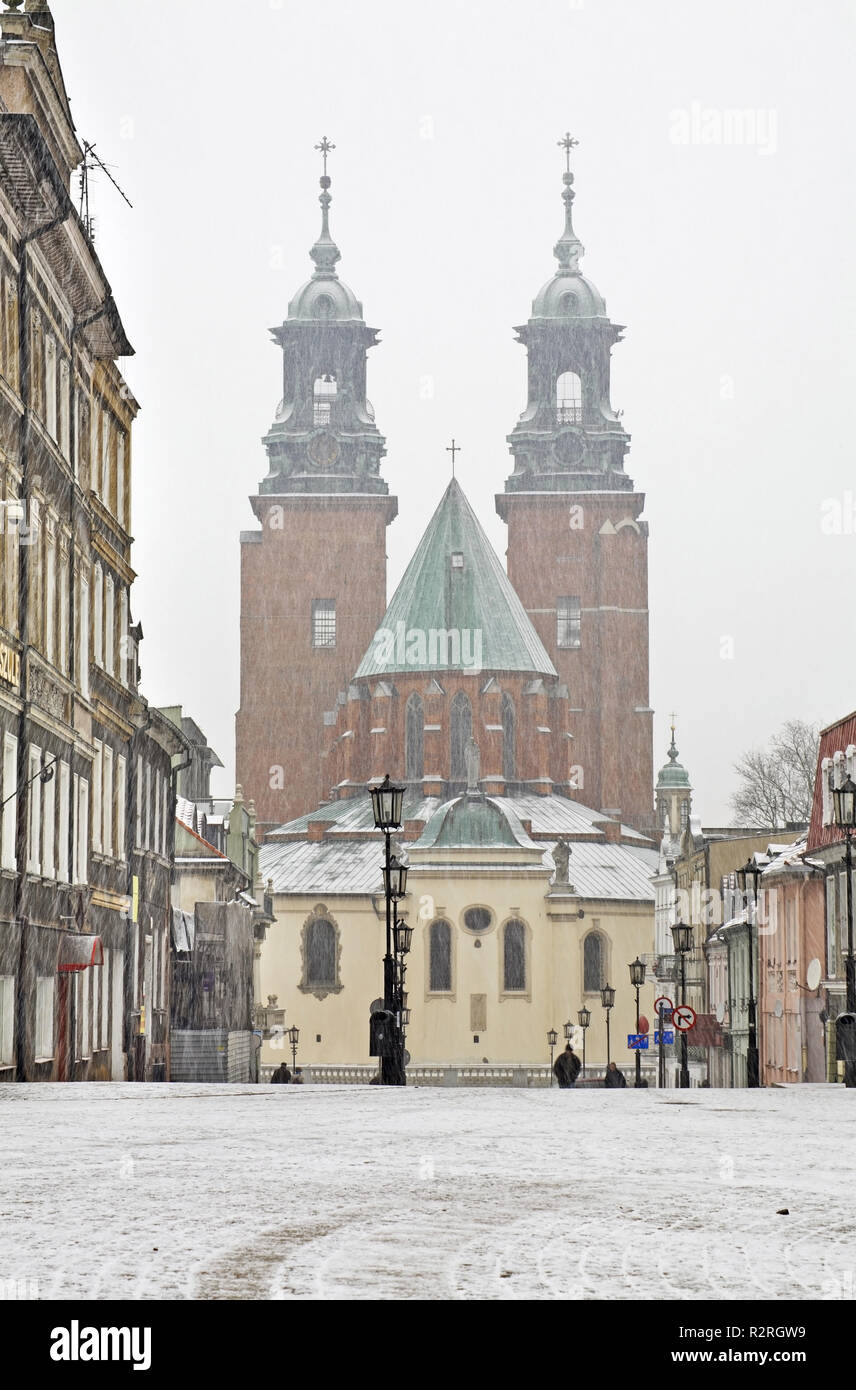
<point x="577" y="549"/>
<point x="313" y="578"/>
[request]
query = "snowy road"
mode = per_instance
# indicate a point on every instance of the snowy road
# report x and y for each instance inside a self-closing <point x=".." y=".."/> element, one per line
<point x="206" y="1192"/>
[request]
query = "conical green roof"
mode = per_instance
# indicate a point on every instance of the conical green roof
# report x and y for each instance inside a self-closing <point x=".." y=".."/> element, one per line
<point x="455" y="609"/>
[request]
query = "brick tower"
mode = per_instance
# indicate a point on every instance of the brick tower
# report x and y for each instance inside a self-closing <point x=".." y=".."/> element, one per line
<point x="313" y="577"/>
<point x="577" y="549"/>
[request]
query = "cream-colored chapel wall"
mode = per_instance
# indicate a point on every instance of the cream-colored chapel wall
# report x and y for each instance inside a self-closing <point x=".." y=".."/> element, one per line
<point x="440" y="1030"/>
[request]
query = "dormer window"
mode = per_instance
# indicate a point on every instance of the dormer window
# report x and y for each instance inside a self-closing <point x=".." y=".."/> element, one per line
<point x="457" y="559"/>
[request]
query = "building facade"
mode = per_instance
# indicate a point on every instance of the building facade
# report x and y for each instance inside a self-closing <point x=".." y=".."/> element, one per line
<point x="313" y="575"/>
<point x="86" y="772"/>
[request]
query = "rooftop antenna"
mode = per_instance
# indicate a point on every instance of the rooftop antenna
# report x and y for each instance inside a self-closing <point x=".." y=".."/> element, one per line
<point x="90" y="159"/>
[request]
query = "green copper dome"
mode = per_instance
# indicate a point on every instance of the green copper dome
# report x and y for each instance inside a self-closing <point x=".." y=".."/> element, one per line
<point x="672" y="774"/>
<point x="472" y="822"/>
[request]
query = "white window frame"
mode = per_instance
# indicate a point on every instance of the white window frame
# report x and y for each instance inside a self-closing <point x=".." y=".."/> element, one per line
<point x="110" y="626"/>
<point x="7" y="1020"/>
<point x="50" y="595"/>
<point x="50" y="385"/>
<point x="123" y="636"/>
<point x="34" y="819"/>
<point x="64" y="408"/>
<point x="63" y="611"/>
<point x="104" y="1030"/>
<point x="121" y="794"/>
<point x="148" y="839"/>
<point x="49" y="826"/>
<point x="107" y="803"/>
<point x="97" y="782"/>
<point x="83" y="629"/>
<point x="156" y="841"/>
<point x="83" y="831"/>
<point x="120" y="478"/>
<point x="10" y="786"/>
<point x="105" y="457"/>
<point x="45" y="996"/>
<point x="138" y="802"/>
<point x="62" y="849"/>
<point x="98" y="615"/>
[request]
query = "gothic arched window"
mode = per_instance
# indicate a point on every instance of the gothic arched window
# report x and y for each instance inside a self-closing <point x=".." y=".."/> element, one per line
<point x="593" y="953"/>
<point x="440" y="958"/>
<point x="514" y="955"/>
<point x="323" y="394"/>
<point x="461" y="733"/>
<point x="569" y="399"/>
<point x="509" y="751"/>
<point x="320" y="954"/>
<point x="414" y="723"/>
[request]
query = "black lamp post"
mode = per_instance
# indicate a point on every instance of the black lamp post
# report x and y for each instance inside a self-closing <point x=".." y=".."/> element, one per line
<point x="552" y="1039"/>
<point x="387" y="802"/>
<point x="607" y="999"/>
<point x="637" y="979"/>
<point x="844" y="815"/>
<point x="683" y="938"/>
<point x="749" y="876"/>
<point x="293" y="1035"/>
<point x="584" y="1018"/>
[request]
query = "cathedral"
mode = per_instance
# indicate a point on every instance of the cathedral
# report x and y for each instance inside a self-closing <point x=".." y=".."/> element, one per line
<point x="510" y="701"/>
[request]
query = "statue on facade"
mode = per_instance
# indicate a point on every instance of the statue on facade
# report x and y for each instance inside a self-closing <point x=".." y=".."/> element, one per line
<point x="561" y="859"/>
<point x="471" y="762"/>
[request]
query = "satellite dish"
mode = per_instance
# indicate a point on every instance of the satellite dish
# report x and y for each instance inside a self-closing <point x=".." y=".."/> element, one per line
<point x="720" y="1011"/>
<point x="777" y="1008"/>
<point x="812" y="975"/>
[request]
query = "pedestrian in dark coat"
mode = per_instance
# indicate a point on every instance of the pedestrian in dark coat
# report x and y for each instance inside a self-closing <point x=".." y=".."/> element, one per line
<point x="281" y="1076"/>
<point x="614" y="1078"/>
<point x="567" y="1067"/>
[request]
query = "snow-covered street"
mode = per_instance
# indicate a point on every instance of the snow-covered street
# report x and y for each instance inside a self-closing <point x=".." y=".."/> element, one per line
<point x="210" y="1192"/>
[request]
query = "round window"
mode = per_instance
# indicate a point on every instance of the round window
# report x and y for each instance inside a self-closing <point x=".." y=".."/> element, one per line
<point x="478" y="919"/>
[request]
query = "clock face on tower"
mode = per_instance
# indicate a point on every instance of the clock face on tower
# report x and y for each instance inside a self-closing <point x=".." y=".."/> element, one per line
<point x="323" y="450"/>
<point x="569" y="447"/>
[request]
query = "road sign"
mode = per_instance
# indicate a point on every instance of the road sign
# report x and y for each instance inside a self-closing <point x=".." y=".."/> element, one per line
<point x="643" y="1024"/>
<point x="638" y="1041"/>
<point x="664" y="1002"/>
<point x="684" y="1017"/>
<point x="667" y="1037"/>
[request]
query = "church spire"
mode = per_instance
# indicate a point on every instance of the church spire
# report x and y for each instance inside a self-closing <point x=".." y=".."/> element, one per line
<point x="568" y="248"/>
<point x="325" y="253"/>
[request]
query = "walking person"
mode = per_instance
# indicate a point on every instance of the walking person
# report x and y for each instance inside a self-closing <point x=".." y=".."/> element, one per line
<point x="281" y="1076"/>
<point x="613" y="1078"/>
<point x="567" y="1067"/>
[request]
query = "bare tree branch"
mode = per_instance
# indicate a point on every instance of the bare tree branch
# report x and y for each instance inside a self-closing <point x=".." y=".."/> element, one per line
<point x="776" y="784"/>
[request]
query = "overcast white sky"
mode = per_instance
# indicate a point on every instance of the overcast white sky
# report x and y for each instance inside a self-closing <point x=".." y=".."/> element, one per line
<point x="731" y="265"/>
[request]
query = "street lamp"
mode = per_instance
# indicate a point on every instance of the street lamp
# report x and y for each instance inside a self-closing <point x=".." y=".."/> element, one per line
<point x="403" y="938"/>
<point x="607" y="999"/>
<point x="750" y="875"/>
<point x="637" y="979"/>
<point x="844" y="815"/>
<point x="584" y="1018"/>
<point x="293" y="1035"/>
<point x="552" y="1039"/>
<point x="387" y="805"/>
<point x="683" y="939"/>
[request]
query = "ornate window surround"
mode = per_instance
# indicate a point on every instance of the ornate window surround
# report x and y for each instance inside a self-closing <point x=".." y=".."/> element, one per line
<point x="319" y="913"/>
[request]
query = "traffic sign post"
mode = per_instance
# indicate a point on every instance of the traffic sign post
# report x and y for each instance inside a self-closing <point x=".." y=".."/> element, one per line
<point x="664" y="1035"/>
<point x="684" y="1018"/>
<point x="637" y="1042"/>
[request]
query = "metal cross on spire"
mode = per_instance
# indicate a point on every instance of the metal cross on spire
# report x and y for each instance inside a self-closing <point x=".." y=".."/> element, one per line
<point x="325" y="147"/>
<point x="567" y="143"/>
<point x="453" y="449"/>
